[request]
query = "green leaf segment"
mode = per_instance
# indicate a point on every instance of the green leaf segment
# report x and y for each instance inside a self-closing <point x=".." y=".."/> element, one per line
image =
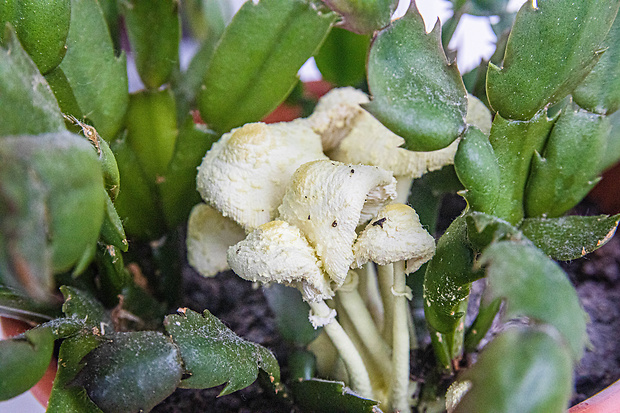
<point x="214" y="355"/>
<point x="243" y="84"/>
<point x="97" y="78"/>
<point x="519" y="181"/>
<point x="415" y="91"/>
<point x="553" y="45"/>
<point x="24" y="361"/>
<point x="101" y="369"/>
<point x="363" y="16"/>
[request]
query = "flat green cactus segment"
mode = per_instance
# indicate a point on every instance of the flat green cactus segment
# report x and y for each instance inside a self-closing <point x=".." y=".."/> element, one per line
<point x="342" y="57"/>
<point x="28" y="105"/>
<point x="178" y="186"/>
<point x="214" y="355"/>
<point x="600" y="90"/>
<point x="59" y="174"/>
<point x="502" y="379"/>
<point x="97" y="77"/>
<point x="447" y="278"/>
<point x="567" y="169"/>
<point x="130" y="371"/>
<point x="477" y="168"/>
<point x="415" y="92"/>
<point x="42" y="28"/>
<point x="24" y="361"/>
<point x="535" y="287"/>
<point x="152" y="130"/>
<point x="82" y="306"/>
<point x="291" y="314"/>
<point x="363" y="16"/>
<point x="255" y="64"/>
<point x="137" y="204"/>
<point x="330" y="397"/>
<point x="612" y="148"/>
<point x="154" y="30"/>
<point x="72" y="399"/>
<point x="553" y="45"/>
<point x="514" y="144"/>
<point x="25" y="261"/>
<point x="570" y="237"/>
<point x="484" y="229"/>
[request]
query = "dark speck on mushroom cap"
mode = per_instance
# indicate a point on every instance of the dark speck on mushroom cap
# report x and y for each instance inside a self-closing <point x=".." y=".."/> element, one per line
<point x="379" y="222"/>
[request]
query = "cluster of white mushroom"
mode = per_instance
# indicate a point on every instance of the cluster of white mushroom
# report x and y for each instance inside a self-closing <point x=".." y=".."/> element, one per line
<point x="307" y="202"/>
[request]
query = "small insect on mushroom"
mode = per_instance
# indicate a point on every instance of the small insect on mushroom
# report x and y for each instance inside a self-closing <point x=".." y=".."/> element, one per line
<point x="379" y="222"/>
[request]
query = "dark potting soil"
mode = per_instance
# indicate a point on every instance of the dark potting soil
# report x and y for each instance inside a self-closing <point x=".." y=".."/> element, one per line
<point x="597" y="278"/>
<point x="243" y="308"/>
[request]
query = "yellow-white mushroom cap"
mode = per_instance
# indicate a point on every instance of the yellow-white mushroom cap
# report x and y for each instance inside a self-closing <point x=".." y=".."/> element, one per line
<point x="245" y="173"/>
<point x="336" y="113"/>
<point x="278" y="252"/>
<point x="327" y="200"/>
<point x="478" y="114"/>
<point x="371" y="143"/>
<point x="209" y="235"/>
<point x="394" y="235"/>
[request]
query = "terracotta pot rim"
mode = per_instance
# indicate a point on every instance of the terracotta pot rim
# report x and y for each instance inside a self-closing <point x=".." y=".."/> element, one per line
<point x="605" y="401"/>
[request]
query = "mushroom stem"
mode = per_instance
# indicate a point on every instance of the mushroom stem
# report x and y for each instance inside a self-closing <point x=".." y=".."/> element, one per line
<point x="386" y="281"/>
<point x="403" y="187"/>
<point x="369" y="290"/>
<point x="360" y="317"/>
<point x="379" y="382"/>
<point x="360" y="381"/>
<point x="400" y="343"/>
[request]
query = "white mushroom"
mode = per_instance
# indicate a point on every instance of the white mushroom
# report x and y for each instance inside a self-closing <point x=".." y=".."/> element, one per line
<point x="371" y="143"/>
<point x="336" y="113"/>
<point x="209" y="235"/>
<point x="396" y="236"/>
<point x="278" y="252"/>
<point x="245" y="173"/>
<point x="327" y="200"/>
<point x="351" y="303"/>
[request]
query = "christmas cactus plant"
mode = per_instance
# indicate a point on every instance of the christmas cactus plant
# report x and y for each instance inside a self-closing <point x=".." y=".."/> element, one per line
<point x="98" y="187"/>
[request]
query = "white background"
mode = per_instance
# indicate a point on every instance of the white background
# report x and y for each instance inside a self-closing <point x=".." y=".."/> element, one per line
<point x="474" y="40"/>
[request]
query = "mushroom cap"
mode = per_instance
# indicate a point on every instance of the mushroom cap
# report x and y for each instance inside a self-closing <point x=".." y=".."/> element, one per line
<point x="371" y="143"/>
<point x="336" y="113"/>
<point x="245" y="173"/>
<point x="209" y="235"/>
<point x="478" y="114"/>
<point x="278" y="252"/>
<point x="394" y="235"/>
<point x="327" y="200"/>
